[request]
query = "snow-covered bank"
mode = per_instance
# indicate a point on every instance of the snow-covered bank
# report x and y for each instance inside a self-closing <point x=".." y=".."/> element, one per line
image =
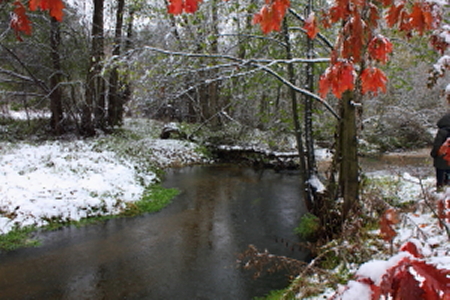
<point x="419" y="227"/>
<point x="72" y="180"/>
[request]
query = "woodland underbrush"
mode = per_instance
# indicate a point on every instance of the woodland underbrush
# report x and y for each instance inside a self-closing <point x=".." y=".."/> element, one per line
<point x="378" y="232"/>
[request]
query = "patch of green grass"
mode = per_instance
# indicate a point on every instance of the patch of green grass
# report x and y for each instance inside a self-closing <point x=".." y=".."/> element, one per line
<point x="18" y="238"/>
<point x="154" y="199"/>
<point x="308" y="227"/>
<point x="275" y="295"/>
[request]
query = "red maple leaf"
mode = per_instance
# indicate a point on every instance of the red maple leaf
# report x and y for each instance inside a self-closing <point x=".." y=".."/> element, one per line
<point x="271" y="15"/>
<point x="411" y="248"/>
<point x="394" y="13"/>
<point x="388" y="219"/>
<point x="177" y="7"/>
<point x="310" y="26"/>
<point x="379" y="48"/>
<point x="19" y="21"/>
<point x="353" y="43"/>
<point x="421" y="17"/>
<point x="55" y="7"/>
<point x="372" y="80"/>
<point x="436" y="279"/>
<point x="338" y="78"/>
<point x="405" y="286"/>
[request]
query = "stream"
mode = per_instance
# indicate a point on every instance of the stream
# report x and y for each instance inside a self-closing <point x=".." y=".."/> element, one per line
<point x="188" y="250"/>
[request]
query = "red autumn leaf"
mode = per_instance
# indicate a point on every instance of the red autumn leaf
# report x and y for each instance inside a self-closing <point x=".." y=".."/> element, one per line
<point x="421" y="18"/>
<point x="372" y="80"/>
<point x="444" y="151"/>
<point x="337" y="13"/>
<point x="271" y="15"/>
<point x="311" y="26"/>
<point x="393" y="14"/>
<point x="19" y="21"/>
<point x="177" y="7"/>
<point x="436" y="279"/>
<point x="55" y="7"/>
<point x="412" y="249"/>
<point x="379" y="48"/>
<point x="353" y="43"/>
<point x="439" y="42"/>
<point x="405" y="286"/>
<point x="388" y="219"/>
<point x="191" y="6"/>
<point x="338" y="78"/>
<point x="373" y="15"/>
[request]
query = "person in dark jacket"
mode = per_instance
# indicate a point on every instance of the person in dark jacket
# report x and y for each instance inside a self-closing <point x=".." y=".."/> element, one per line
<point x="440" y="164"/>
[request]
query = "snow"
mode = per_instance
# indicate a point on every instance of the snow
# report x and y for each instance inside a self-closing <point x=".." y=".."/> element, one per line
<point x="356" y="291"/>
<point x="77" y="179"/>
<point x="419" y="227"/>
<point x="317" y="185"/>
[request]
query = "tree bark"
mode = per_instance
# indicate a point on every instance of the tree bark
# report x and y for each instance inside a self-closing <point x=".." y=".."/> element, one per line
<point x="55" y="79"/>
<point x="95" y="87"/>
<point x="296" y="121"/>
<point x="114" y="99"/>
<point x="348" y="150"/>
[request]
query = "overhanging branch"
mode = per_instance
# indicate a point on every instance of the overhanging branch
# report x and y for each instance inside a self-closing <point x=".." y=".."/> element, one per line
<point x="257" y="63"/>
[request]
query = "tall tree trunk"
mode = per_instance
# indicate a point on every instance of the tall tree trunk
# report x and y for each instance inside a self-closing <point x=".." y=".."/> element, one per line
<point x="309" y="85"/>
<point x="55" y="94"/>
<point x="126" y="93"/>
<point x="209" y="93"/>
<point x="348" y="150"/>
<point x="296" y="120"/>
<point x="95" y="91"/>
<point x="114" y="99"/>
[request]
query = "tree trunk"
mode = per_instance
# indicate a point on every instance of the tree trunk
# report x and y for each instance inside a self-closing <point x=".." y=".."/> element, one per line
<point x="95" y="90"/>
<point x="309" y="85"/>
<point x="114" y="99"/>
<point x="209" y="94"/>
<point x="348" y="150"/>
<point x="296" y="121"/>
<point x="55" y="94"/>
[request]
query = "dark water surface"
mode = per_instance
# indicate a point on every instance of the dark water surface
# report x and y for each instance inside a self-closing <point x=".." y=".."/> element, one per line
<point x="186" y="251"/>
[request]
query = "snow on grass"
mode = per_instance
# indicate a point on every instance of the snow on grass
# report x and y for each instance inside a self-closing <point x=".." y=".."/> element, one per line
<point x="73" y="180"/>
<point x="420" y="227"/>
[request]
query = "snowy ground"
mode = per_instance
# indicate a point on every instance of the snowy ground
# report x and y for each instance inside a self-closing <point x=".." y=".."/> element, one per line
<point x="419" y="227"/>
<point x="77" y="179"/>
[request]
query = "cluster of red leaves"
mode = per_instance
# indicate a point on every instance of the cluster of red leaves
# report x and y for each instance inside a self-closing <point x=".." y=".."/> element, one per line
<point x="311" y="26"/>
<point x="444" y="151"/>
<point x="356" y="33"/>
<point x="271" y="15"/>
<point x="410" y="278"/>
<point x="373" y="79"/>
<point x="20" y="22"/>
<point x="177" y="7"/>
<point x="402" y="280"/>
<point x="338" y="78"/>
<point x="387" y="221"/>
<point x="360" y="19"/>
<point x="443" y="206"/>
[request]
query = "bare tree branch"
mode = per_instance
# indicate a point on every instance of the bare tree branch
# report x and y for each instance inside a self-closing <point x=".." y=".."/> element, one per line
<point x="257" y="63"/>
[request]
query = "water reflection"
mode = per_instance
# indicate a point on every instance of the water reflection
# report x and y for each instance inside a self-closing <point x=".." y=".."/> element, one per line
<point x="186" y="251"/>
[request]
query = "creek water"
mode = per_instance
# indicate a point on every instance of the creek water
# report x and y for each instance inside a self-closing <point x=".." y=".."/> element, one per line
<point x="188" y="250"/>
